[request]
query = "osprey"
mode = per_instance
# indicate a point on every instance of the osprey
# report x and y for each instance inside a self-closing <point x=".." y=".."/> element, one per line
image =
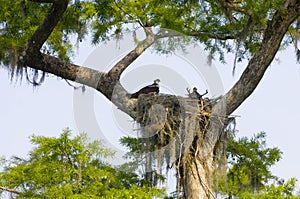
<point x="153" y="88"/>
<point x="196" y="95"/>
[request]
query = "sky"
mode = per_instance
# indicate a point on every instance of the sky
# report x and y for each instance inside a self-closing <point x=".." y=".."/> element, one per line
<point x="48" y="109"/>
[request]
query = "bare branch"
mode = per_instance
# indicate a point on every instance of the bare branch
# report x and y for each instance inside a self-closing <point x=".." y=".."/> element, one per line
<point x="117" y="70"/>
<point x="74" y="87"/>
<point x="100" y="81"/>
<point x="214" y="35"/>
<point x="11" y="190"/>
<point x="60" y="68"/>
<point x="45" y="29"/>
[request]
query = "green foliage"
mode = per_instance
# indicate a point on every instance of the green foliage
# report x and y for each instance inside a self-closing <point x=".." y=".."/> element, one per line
<point x="280" y="191"/>
<point x="66" y="167"/>
<point x="248" y="174"/>
<point x="209" y="22"/>
<point x="75" y="168"/>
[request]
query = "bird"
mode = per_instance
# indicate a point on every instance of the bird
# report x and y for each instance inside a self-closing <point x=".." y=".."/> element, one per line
<point x="196" y="95"/>
<point x="153" y="88"/>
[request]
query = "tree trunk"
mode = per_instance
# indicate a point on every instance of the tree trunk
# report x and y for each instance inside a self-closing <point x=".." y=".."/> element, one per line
<point x="198" y="178"/>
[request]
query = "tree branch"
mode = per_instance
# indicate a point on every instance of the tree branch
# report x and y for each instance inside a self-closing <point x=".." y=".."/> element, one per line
<point x="261" y="60"/>
<point x="230" y="5"/>
<point x="45" y="29"/>
<point x="117" y="70"/>
<point x="255" y="70"/>
<point x="13" y="190"/>
<point x="103" y="82"/>
<point x="60" y="68"/>
<point x="213" y="35"/>
<point x="106" y="83"/>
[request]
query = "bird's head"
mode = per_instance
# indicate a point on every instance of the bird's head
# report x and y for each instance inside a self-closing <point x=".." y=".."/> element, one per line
<point x="194" y="89"/>
<point x="156" y="81"/>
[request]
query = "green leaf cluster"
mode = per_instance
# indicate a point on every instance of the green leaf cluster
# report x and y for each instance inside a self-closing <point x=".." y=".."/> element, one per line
<point x="67" y="167"/>
<point x="209" y="22"/>
<point x="279" y="191"/>
<point x="248" y="174"/>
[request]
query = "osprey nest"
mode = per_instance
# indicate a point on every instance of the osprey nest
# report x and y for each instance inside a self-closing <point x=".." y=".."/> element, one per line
<point x="172" y="126"/>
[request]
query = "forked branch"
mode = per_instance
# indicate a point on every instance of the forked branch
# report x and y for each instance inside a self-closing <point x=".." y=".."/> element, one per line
<point x="101" y="81"/>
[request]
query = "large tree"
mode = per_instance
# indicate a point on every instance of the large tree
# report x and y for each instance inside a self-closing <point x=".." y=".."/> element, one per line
<point x="34" y="35"/>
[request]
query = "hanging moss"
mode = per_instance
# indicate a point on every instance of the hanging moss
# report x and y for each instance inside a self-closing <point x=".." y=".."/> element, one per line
<point x="170" y="127"/>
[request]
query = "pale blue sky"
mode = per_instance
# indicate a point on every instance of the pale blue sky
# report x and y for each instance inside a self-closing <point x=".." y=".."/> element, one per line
<point x="47" y="109"/>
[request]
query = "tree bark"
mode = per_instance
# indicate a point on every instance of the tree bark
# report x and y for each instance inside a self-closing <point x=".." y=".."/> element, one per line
<point x="198" y="178"/>
<point x="45" y="29"/>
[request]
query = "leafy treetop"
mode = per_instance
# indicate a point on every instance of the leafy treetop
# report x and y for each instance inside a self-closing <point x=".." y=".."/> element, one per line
<point x="70" y="167"/>
<point x="222" y="26"/>
<point x="248" y="174"/>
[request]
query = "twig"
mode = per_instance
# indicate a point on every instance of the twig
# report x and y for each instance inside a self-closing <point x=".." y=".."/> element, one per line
<point x="11" y="190"/>
<point x="75" y="87"/>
